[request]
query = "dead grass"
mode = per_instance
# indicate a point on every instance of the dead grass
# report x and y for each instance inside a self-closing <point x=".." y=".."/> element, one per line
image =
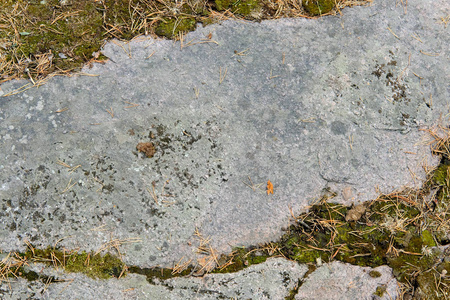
<point x="10" y="266"/>
<point x="400" y="229"/>
<point x="209" y="259"/>
<point x="42" y="40"/>
<point x="94" y="264"/>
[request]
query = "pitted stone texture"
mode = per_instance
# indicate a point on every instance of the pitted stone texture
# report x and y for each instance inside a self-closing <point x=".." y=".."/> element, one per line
<point x="339" y="281"/>
<point x="273" y="279"/>
<point x="341" y="111"/>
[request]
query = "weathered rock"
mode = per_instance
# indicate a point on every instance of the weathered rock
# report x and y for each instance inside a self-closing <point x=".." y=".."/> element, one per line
<point x="331" y="103"/>
<point x="343" y="281"/>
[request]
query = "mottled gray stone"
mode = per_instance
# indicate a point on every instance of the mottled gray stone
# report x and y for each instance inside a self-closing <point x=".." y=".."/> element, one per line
<point x="273" y="279"/>
<point x="342" y="111"/>
<point x="339" y="281"/>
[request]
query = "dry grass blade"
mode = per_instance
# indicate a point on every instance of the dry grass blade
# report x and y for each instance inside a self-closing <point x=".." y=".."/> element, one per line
<point x="115" y="244"/>
<point x="10" y="265"/>
<point x="181" y="265"/>
<point x="209" y="261"/>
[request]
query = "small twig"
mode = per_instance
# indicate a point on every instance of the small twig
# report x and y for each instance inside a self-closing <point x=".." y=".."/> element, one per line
<point x="273" y="76"/>
<point x="429" y="54"/>
<point x="155" y="197"/>
<point x="242" y="53"/>
<point x="393" y="33"/>
<point x="121" y="45"/>
<point x="59" y="162"/>
<point x="151" y="55"/>
<point x="74" y="168"/>
<point x="111" y="112"/>
<point x="180" y="267"/>
<point x="196" y="91"/>
<point x="125" y="268"/>
<point x="222" y="76"/>
<point x="445" y="20"/>
<point x="132" y="105"/>
<point x="415" y="36"/>
<point x="308" y="120"/>
<point x="251" y="185"/>
<point x="101" y="183"/>
<point x="62" y="110"/>
<point x="68" y="187"/>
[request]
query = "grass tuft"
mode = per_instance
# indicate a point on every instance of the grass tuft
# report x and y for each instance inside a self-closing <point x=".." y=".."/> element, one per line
<point x="39" y="39"/>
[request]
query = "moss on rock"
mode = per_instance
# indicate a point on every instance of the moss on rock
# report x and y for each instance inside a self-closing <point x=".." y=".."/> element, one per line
<point x="318" y="7"/>
<point x="242" y="7"/>
<point x="171" y="27"/>
<point x="90" y="264"/>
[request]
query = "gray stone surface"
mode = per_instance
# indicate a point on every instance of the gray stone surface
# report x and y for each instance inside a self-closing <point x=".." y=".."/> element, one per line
<point x="272" y="279"/>
<point x="312" y="104"/>
<point x="339" y="281"/>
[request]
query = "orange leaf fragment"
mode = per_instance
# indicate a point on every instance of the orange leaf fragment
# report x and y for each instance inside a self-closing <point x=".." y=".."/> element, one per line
<point x="269" y="187"/>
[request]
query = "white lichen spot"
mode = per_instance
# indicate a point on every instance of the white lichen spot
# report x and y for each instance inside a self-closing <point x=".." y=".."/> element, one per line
<point x="40" y="105"/>
<point x="10" y="127"/>
<point x="291" y="68"/>
<point x="7" y="137"/>
<point x="24" y="140"/>
<point x="319" y="261"/>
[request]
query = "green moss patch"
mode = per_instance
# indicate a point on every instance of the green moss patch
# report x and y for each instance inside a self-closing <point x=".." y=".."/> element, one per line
<point x="242" y="7"/>
<point x="374" y="274"/>
<point x="91" y="264"/>
<point x="240" y="259"/>
<point x="319" y="7"/>
<point x="380" y="291"/>
<point x="49" y="37"/>
<point x="387" y="234"/>
<point x="159" y="273"/>
<point x="172" y="27"/>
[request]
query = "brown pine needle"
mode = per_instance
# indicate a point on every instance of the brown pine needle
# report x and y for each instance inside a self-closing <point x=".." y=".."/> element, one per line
<point x="429" y="54"/>
<point x="393" y="33"/>
<point x="132" y="105"/>
<point x="151" y="55"/>
<point x="69" y="186"/>
<point x="59" y="162"/>
<point x="273" y="76"/>
<point x="62" y="110"/>
<point x="111" y="112"/>
<point x="222" y="74"/>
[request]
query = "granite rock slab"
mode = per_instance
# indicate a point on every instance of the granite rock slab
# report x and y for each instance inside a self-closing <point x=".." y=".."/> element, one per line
<point x="335" y="104"/>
